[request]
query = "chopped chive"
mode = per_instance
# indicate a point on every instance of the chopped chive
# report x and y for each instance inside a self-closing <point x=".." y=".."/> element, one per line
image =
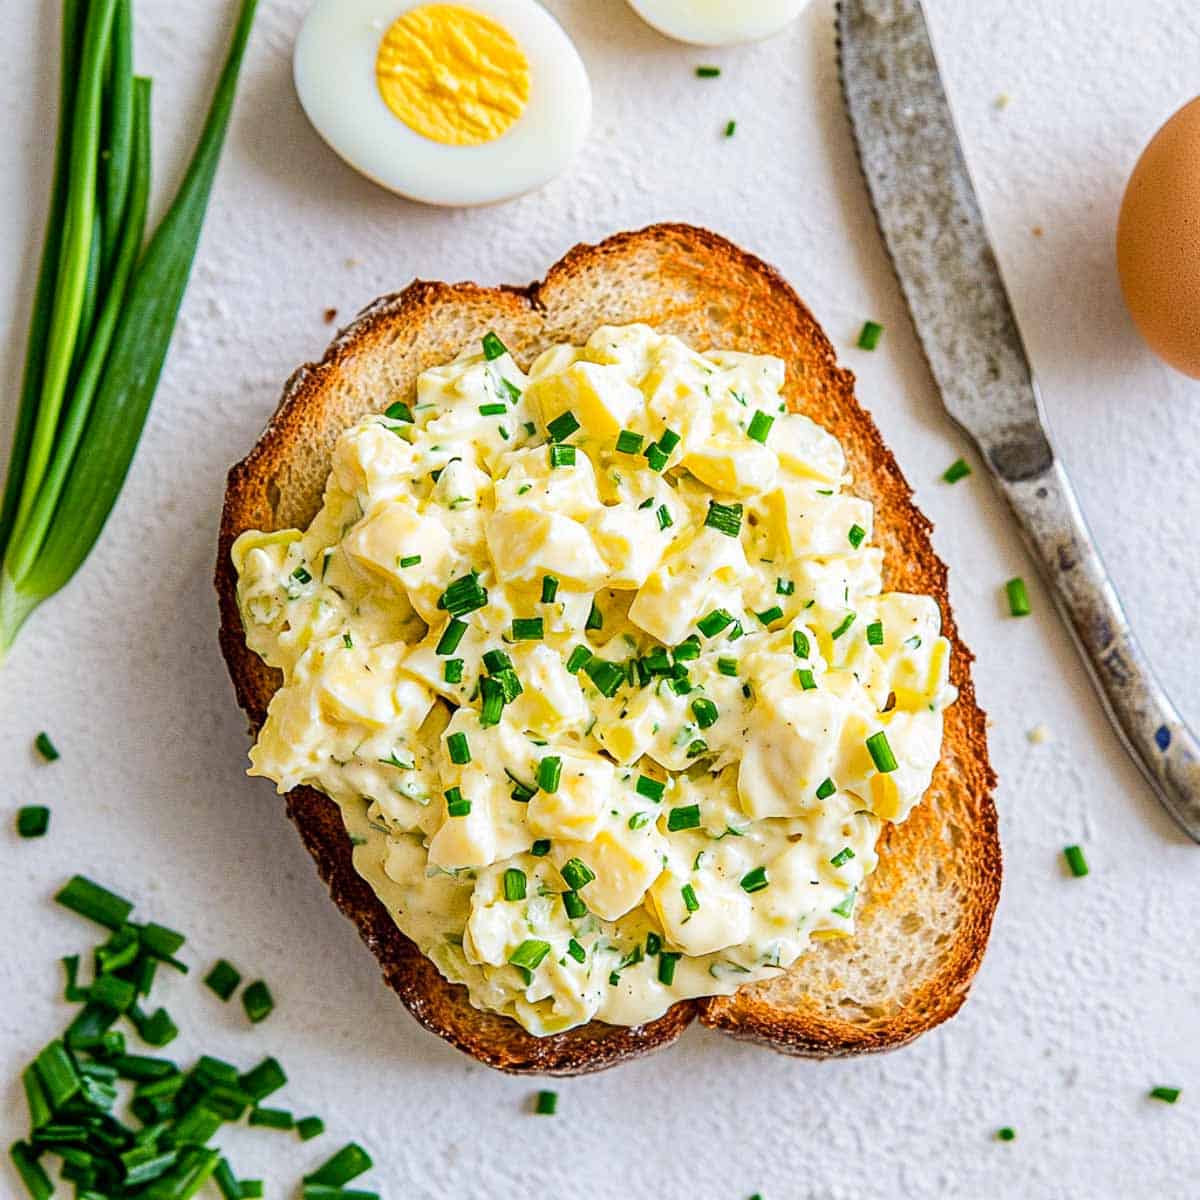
<point x="856" y="535"/>
<point x="459" y="748"/>
<point x="666" y="966"/>
<point x="957" y="470"/>
<point x="595" y="618"/>
<point x="546" y="1104"/>
<point x="410" y="560"/>
<point x="639" y="820"/>
<point x="451" y="636"/>
<point x="272" y="1118"/>
<point x="1166" y="1094"/>
<point x="770" y="615"/>
<point x="1075" y="861"/>
<point x="576" y="951"/>
<point x="348" y="1163"/>
<point x="629" y="442"/>
<point x="800" y="646"/>
<point x="457" y="805"/>
<point x="686" y="816"/>
<point x="730" y="129"/>
<point x="510" y="389"/>
<point x="806" y="679"/>
<point x="727" y="666"/>
<point x="647" y="503"/>
<point x="690" y="901"/>
<point x="263" y="1080"/>
<point x="309" y="1128"/>
<point x="785" y="587"/>
<point x="549" y="589"/>
<point x="607" y="676"/>
<point x="540" y="848"/>
<point x="875" y="633"/>
<point x="760" y="427"/>
<point x="493" y="348"/>
<point x="464" y="595"/>
<point x="33" y="820"/>
<point x="321" y="1191"/>
<point x="549" y="772"/>
<point x="37" y="1182"/>
<point x="562" y="427"/>
<point x="301" y="575"/>
<point x="843" y="856"/>
<point x="452" y="670"/>
<point x="522" y="793"/>
<point x="574" y="906"/>
<point x="825" y="789"/>
<point x="529" y="954"/>
<point x="493" y="410"/>
<point x="656" y="457"/>
<point x="687" y="651"/>
<point x="881" y="752"/>
<point x="663" y="513"/>
<point x="258" y="1001"/>
<point x="715" y="621"/>
<point x="668" y="440"/>
<point x="868" y="339"/>
<point x="755" y="880"/>
<point x="696" y="748"/>
<point x="708" y="72"/>
<point x="156" y="1028"/>
<point x="1018" y="597"/>
<point x="1006" y="1133"/>
<point x="495" y="661"/>
<point x="514" y="884"/>
<point x="724" y="518"/>
<point x="399" y="411"/>
<point x="528" y="629"/>
<point x="579" y="658"/>
<point x="847" y="621"/>
<point x="46" y="748"/>
<point x="561" y="455"/>
<point x="652" y="789"/>
<point x="98" y="904"/>
<point x="492" y="707"/>
<point x="577" y="874"/>
<point x="57" y="1074"/>
<point x="705" y="712"/>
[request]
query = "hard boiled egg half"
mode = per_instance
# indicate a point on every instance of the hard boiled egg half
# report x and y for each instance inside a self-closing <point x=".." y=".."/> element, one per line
<point x="450" y="104"/>
<point x="718" y="22"/>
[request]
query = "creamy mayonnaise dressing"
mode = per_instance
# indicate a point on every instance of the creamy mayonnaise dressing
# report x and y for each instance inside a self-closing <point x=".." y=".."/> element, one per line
<point x="596" y="663"/>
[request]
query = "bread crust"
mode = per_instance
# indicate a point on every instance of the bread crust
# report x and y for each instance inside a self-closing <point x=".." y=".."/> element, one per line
<point x="940" y="869"/>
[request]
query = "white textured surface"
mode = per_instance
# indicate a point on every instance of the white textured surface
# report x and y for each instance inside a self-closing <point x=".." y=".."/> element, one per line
<point x="1091" y="990"/>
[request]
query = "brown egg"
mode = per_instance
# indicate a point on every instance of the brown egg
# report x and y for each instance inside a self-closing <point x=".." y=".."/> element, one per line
<point x="1158" y="241"/>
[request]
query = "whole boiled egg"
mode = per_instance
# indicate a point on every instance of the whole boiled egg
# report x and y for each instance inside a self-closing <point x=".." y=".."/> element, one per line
<point x="1158" y="242"/>
<point x="452" y="104"/>
<point x="718" y="22"/>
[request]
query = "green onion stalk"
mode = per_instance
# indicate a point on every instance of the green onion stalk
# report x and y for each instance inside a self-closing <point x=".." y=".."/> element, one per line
<point x="104" y="309"/>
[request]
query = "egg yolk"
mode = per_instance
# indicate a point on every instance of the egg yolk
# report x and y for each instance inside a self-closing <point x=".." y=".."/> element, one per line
<point x="452" y="75"/>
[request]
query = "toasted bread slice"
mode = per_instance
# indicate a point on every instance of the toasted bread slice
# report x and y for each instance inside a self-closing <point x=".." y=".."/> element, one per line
<point x="923" y="926"/>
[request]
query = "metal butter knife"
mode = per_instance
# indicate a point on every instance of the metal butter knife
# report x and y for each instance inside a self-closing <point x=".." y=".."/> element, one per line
<point x="929" y="215"/>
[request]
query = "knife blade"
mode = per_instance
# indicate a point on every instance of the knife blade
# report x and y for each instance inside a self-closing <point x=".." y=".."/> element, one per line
<point x="927" y="210"/>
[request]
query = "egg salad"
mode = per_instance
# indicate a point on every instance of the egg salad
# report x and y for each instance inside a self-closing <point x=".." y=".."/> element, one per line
<point x="597" y="664"/>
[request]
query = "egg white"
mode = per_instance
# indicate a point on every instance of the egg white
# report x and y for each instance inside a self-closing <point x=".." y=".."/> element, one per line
<point x="334" y="69"/>
<point x="718" y="22"/>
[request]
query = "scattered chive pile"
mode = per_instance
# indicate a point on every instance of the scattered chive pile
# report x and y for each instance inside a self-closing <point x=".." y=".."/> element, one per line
<point x="161" y="1151"/>
<point x="103" y="310"/>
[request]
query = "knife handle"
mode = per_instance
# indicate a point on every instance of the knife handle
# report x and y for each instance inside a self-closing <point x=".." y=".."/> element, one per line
<point x="1161" y="744"/>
